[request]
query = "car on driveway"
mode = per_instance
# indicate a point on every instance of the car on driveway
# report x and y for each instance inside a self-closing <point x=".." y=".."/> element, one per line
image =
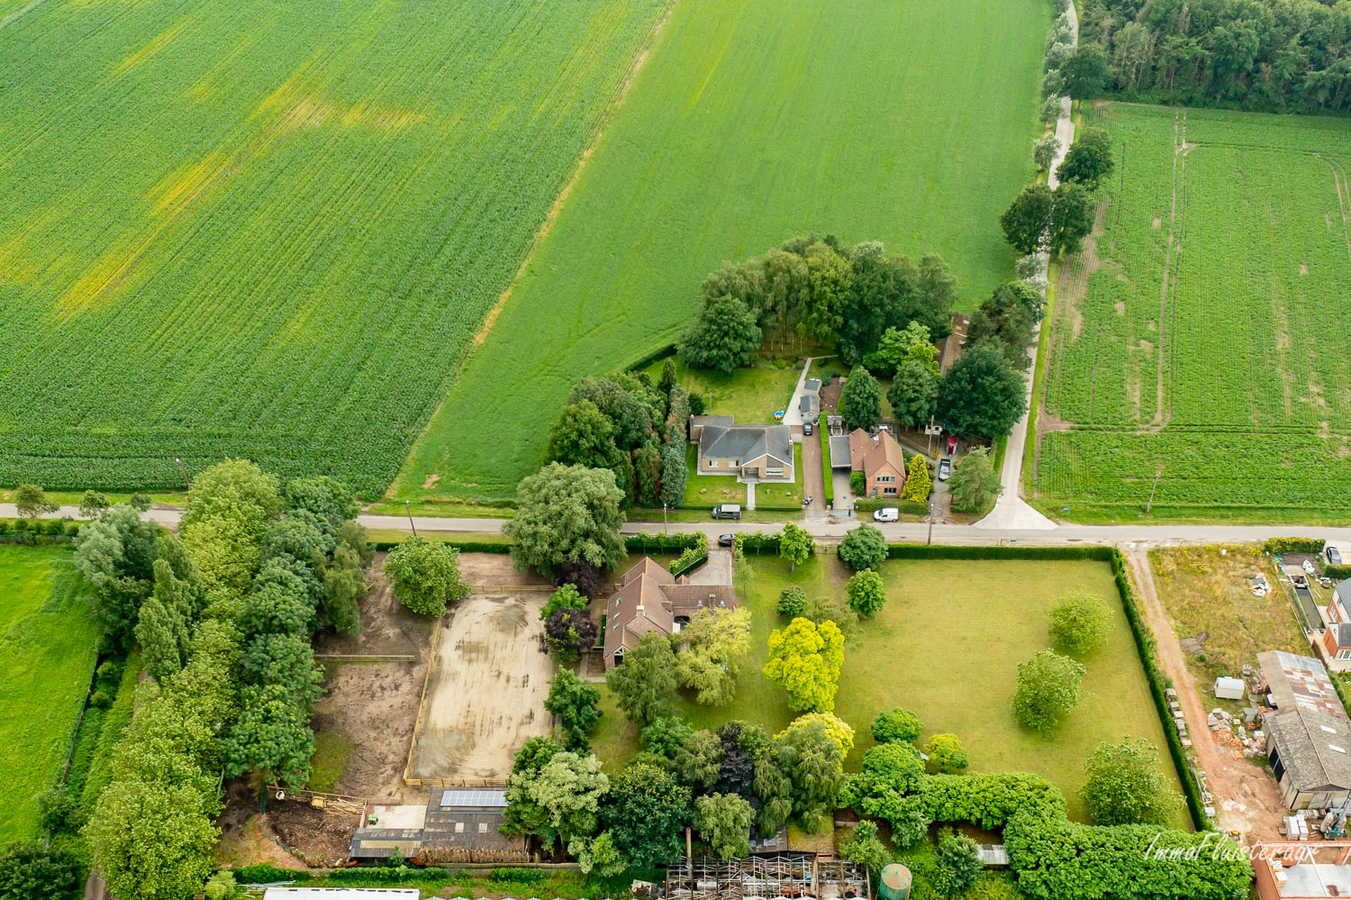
<point x="1334" y="556"/>
<point x="945" y="468"/>
<point x="887" y="514"/>
<point x="726" y="540"/>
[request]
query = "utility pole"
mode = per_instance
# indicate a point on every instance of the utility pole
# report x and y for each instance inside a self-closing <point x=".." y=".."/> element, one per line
<point x="408" y="507"/>
<point x="665" y="526"/>
<point x="1150" y="504"/>
<point x="184" y="469"/>
<point x="931" y="520"/>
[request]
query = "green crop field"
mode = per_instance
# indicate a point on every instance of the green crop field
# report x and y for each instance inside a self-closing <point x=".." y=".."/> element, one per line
<point x="752" y="121"/>
<point x="48" y="641"/>
<point x="1203" y="338"/>
<point x="987" y="617"/>
<point x="272" y="229"/>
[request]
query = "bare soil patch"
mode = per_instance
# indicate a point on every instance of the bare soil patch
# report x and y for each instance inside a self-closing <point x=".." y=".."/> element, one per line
<point x="494" y="570"/>
<point x="320" y="837"/>
<point x="485" y="694"/>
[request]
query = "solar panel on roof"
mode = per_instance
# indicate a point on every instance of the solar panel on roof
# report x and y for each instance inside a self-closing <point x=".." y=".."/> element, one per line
<point x="473" y="798"/>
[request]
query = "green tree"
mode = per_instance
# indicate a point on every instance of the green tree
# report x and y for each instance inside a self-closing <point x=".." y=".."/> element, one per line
<point x="829" y="275"/>
<point x="568" y="634"/>
<point x="1027" y="218"/>
<point x="946" y="754"/>
<point x="645" y="811"/>
<point x="698" y="760"/>
<point x="897" y="346"/>
<point x="568" y="790"/>
<point x="1080" y="623"/>
<point x="805" y="659"/>
<point x="811" y="760"/>
<point x="152" y="841"/>
<point x="723" y="821"/>
<point x="668" y="375"/>
<point x="1007" y="321"/>
<point x="896" y="726"/>
<point x="577" y="704"/>
<point x="863" y="547"/>
<point x="1085" y="73"/>
<point x="1044" y="150"/>
<point x="30" y="871"/>
<point x="598" y="856"/>
<point x="974" y="484"/>
<point x="235" y="489"/>
<point x="564" y="514"/>
<point x="795" y="545"/>
<point x="625" y="402"/>
<point x="983" y="395"/>
<point x="858" y="483"/>
<point x="913" y="394"/>
<point x="344" y="585"/>
<point x="566" y="597"/>
<point x="918" y="481"/>
<point x="834" y="727"/>
<point x="645" y="683"/>
<point x="792" y="601"/>
<point x="861" y="400"/>
<point x="1089" y="160"/>
<point x="959" y="865"/>
<point x="723" y="337"/>
<point x="523" y="816"/>
<point x="830" y="608"/>
<point x="1126" y="786"/>
<point x="866" y="593"/>
<point x="583" y="436"/>
<point x="647" y="464"/>
<point x="717" y="640"/>
<point x="271" y="736"/>
<point x="31" y="502"/>
<point x="1048" y="689"/>
<point x="1071" y="218"/>
<point x="93" y="504"/>
<point x="674" y="472"/>
<point x="866" y="849"/>
<point x="426" y="576"/>
<point x="158" y="631"/>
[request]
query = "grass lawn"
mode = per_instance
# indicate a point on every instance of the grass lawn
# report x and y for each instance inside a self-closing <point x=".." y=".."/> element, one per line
<point x="48" y="647"/>
<point x="707" y="491"/>
<point x="1206" y="592"/>
<point x="947" y="645"/>
<point x="752" y="121"/>
<point x="751" y="395"/>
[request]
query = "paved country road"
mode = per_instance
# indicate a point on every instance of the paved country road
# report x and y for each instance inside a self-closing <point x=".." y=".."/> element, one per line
<point x="1060" y="535"/>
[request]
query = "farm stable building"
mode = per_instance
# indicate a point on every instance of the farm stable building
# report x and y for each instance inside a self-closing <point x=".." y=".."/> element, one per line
<point x="1308" y="734"/>
<point x="457" y="825"/>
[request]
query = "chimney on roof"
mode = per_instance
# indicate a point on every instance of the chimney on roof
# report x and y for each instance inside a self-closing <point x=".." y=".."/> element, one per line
<point x="639" y="608"/>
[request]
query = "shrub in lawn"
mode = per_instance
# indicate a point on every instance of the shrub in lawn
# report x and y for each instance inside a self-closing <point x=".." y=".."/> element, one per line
<point x="792" y="602"/>
<point x="425" y="575"/>
<point x="866" y="594"/>
<point x="959" y="865"/>
<point x="896" y="726"/>
<point x="1125" y="785"/>
<point x="805" y="659"/>
<point x="1048" y="689"/>
<point x="946" y="754"/>
<point x="566" y="597"/>
<point x="1080" y="623"/>
<point x="863" y="548"/>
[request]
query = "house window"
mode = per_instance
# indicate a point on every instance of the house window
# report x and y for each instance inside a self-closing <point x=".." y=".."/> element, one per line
<point x="713" y="464"/>
<point x="885" y="479"/>
<point x="1344" y="654"/>
<point x="774" y="470"/>
<point x="890" y="492"/>
<point x="482" y="827"/>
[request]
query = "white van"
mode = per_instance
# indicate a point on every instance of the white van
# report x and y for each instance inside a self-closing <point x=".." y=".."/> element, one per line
<point x="887" y="514"/>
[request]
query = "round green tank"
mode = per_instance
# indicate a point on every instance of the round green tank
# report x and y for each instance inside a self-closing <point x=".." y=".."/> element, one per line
<point x="895" y="883"/>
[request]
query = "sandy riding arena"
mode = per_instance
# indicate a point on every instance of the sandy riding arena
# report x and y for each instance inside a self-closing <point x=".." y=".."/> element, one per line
<point x="486" y="690"/>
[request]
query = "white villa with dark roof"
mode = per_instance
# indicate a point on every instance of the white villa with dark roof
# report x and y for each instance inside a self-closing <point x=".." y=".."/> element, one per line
<point x="761" y="452"/>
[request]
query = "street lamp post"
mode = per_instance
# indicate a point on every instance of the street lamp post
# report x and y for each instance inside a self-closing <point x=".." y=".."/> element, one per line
<point x="931" y="521"/>
<point x="184" y="469"/>
<point x="408" y="508"/>
<point x="665" y="526"/>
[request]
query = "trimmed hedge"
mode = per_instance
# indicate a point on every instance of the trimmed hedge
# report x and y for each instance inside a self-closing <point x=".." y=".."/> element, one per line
<point x="1337" y="573"/>
<point x="663" y="543"/>
<point x="758" y="543"/>
<point x="41" y="528"/>
<point x="691" y="559"/>
<point x="649" y="358"/>
<point x="926" y="551"/>
<point x="1292" y="545"/>
<point x="462" y="546"/>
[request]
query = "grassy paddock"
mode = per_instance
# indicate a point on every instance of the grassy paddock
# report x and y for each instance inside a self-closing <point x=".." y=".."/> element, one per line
<point x="48" y="642"/>
<point x="947" y="645"/>
<point x="752" y="121"/>
<point x="752" y="395"/>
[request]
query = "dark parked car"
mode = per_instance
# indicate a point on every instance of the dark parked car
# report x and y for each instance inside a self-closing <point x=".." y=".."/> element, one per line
<point x="726" y="540"/>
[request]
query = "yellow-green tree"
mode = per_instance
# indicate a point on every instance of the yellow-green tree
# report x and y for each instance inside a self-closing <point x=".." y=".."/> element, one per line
<point x="918" y="483"/>
<point x="837" y="729"/>
<point x="805" y="659"/>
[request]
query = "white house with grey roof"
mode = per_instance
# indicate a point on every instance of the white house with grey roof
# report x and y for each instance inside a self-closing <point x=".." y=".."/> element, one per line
<point x="760" y="452"/>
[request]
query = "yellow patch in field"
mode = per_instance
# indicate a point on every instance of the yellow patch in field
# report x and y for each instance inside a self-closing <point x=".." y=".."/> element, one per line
<point x="157" y="43"/>
<point x="185" y="185"/>
<point x="100" y="280"/>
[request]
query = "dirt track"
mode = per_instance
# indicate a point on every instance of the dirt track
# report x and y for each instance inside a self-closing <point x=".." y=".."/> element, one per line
<point x="485" y="696"/>
<point x="1246" y="797"/>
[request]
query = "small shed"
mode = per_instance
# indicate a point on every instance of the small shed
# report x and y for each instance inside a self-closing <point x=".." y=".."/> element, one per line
<point x="1227" y="688"/>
